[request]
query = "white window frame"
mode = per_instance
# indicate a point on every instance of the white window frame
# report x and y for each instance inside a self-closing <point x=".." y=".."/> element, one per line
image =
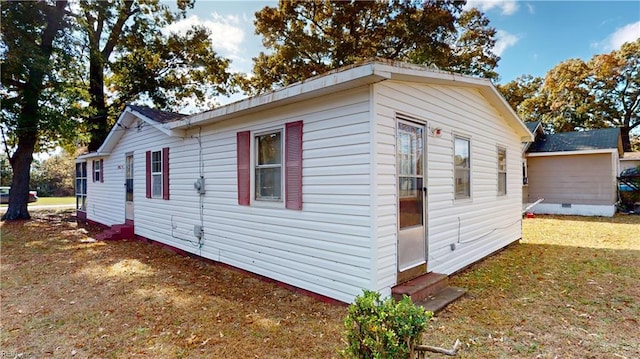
<point x="456" y="195"/>
<point x="81" y="186"/>
<point x="267" y="201"/>
<point x="96" y="171"/>
<point x="502" y="171"/>
<point x="156" y="174"/>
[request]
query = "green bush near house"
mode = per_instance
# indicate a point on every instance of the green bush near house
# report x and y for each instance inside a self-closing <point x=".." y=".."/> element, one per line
<point x="387" y="328"/>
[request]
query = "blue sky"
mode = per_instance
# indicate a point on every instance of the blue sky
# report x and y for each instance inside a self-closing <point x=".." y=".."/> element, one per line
<point x="533" y="36"/>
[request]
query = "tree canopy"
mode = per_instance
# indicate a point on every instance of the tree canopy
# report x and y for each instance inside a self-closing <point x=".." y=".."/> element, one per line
<point x="307" y="38"/>
<point x="70" y="70"/>
<point x="133" y="56"/>
<point x="35" y="54"/>
<point x="577" y="95"/>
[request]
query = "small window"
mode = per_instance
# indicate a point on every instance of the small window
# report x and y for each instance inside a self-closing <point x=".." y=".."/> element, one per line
<point x="97" y="171"/>
<point x="81" y="186"/>
<point x="268" y="167"/>
<point x="462" y="168"/>
<point x="502" y="171"/>
<point x="156" y="174"/>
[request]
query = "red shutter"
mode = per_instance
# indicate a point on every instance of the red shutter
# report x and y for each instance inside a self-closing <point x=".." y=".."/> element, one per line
<point x="101" y="170"/>
<point x="293" y="165"/>
<point x="165" y="173"/>
<point x="244" y="167"/>
<point x="93" y="171"/>
<point x="148" y="173"/>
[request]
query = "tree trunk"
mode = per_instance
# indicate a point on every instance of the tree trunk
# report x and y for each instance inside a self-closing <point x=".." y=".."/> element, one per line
<point x="98" y="128"/>
<point x="626" y="140"/>
<point x="27" y="130"/>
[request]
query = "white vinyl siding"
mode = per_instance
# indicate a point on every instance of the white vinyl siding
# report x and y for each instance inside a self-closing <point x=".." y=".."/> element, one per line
<point x="478" y="227"/>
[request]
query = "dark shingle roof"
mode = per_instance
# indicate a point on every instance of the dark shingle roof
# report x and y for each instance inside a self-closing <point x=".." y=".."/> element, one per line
<point x="577" y="141"/>
<point x="156" y="115"/>
<point x="532" y="126"/>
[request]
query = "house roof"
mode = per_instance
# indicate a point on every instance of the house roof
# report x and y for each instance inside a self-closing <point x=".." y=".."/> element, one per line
<point x="354" y="76"/>
<point x="156" y="115"/>
<point x="349" y="77"/>
<point x="533" y="126"/>
<point x="608" y="138"/>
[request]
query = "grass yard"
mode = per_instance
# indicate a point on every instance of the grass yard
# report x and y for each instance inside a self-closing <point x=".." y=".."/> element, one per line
<point x="570" y="289"/>
<point x="50" y="201"/>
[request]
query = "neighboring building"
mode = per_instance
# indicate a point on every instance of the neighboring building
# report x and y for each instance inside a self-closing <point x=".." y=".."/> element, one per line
<point x="361" y="178"/>
<point x="629" y="160"/>
<point x="574" y="172"/>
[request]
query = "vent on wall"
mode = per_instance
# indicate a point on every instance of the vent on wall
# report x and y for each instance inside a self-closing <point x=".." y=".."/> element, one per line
<point x="566" y="205"/>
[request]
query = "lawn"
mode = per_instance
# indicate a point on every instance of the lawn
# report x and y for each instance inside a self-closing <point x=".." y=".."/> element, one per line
<point x="569" y="289"/>
<point x="51" y="201"/>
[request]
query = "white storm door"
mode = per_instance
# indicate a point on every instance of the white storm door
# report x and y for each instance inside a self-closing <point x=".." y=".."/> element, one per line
<point x="128" y="200"/>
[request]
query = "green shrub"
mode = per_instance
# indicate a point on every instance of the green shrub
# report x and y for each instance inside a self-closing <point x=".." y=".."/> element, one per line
<point x="383" y="328"/>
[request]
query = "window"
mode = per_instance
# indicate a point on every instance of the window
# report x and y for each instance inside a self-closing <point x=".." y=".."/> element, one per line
<point x="502" y="171"/>
<point x="81" y="186"/>
<point x="157" y="174"/>
<point x="462" y="168"/>
<point x="268" y="166"/>
<point x="98" y="174"/>
<point x="275" y="158"/>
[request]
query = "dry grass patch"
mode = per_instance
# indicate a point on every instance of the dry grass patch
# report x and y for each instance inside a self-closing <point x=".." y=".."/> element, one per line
<point x="63" y="295"/>
<point x="569" y="290"/>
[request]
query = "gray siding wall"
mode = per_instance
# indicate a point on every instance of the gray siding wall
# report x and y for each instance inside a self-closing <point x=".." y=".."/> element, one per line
<point x="575" y="179"/>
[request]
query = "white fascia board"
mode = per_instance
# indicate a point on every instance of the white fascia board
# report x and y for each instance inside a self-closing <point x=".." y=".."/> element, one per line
<point x="90" y="155"/>
<point x="571" y="153"/>
<point x="126" y="119"/>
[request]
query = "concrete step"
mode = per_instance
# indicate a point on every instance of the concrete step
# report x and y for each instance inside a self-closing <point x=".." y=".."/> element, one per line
<point x="421" y="287"/>
<point x="442" y="298"/>
<point x="124" y="231"/>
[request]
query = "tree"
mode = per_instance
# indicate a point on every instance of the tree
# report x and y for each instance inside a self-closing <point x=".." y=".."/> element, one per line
<point x="577" y="95"/>
<point x="33" y="97"/>
<point x="54" y="176"/>
<point x="615" y="85"/>
<point x="307" y="38"/>
<point x="131" y="53"/>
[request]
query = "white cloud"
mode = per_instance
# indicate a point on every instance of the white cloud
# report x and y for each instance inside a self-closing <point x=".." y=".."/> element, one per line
<point x="627" y="33"/>
<point x="506" y="7"/>
<point x="531" y="9"/>
<point x="504" y="40"/>
<point x="227" y="33"/>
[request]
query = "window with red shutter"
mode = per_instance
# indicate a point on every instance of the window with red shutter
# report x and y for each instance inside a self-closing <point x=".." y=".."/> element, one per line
<point x="243" y="151"/>
<point x="165" y="173"/>
<point x="293" y="165"/>
<point x="101" y="170"/>
<point x="148" y="173"/>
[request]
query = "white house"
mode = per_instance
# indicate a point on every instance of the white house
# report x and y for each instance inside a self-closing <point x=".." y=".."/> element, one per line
<point x="361" y="178"/>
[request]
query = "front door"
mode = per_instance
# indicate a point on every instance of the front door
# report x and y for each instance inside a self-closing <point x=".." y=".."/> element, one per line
<point x="128" y="183"/>
<point x="412" y="249"/>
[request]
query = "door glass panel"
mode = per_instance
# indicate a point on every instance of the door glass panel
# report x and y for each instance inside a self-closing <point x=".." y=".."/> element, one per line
<point x="410" y="176"/>
<point x="129" y="178"/>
